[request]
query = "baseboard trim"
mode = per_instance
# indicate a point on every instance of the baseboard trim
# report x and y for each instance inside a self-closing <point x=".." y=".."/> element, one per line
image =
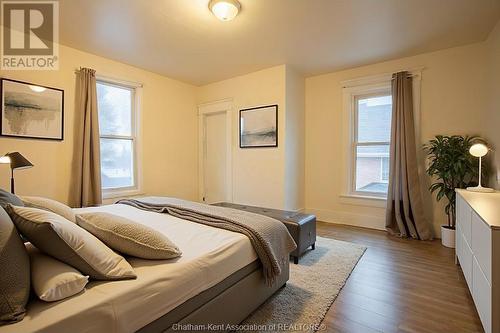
<point x="348" y="218"/>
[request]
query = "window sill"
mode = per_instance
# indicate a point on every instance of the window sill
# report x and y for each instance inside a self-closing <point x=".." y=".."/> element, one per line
<point x="113" y="194"/>
<point x="363" y="200"/>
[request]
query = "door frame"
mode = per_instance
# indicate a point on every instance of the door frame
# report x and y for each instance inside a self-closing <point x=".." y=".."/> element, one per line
<point x="220" y="106"/>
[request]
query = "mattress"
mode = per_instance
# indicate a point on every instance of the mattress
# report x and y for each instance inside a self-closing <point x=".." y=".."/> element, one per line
<point x="209" y="256"/>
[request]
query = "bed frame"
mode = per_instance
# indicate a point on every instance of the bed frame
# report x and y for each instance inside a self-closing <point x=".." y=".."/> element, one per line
<point x="227" y="303"/>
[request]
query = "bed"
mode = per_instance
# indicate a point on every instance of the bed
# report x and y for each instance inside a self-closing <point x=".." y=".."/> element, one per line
<point x="217" y="280"/>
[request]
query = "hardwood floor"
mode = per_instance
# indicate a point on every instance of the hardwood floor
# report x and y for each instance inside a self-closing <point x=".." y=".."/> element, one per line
<point x="400" y="285"/>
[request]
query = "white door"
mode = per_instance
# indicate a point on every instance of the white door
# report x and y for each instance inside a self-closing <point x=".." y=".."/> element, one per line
<point x="215" y="146"/>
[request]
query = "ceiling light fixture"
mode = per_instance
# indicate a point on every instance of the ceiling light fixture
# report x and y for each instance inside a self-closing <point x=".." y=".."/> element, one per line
<point x="224" y="10"/>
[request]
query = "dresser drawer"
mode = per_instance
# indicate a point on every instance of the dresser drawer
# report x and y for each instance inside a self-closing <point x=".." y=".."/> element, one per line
<point x="464" y="213"/>
<point x="466" y="262"/>
<point x="481" y="293"/>
<point x="481" y="244"/>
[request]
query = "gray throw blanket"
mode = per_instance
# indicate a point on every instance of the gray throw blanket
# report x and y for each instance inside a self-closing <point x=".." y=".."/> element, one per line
<point x="268" y="236"/>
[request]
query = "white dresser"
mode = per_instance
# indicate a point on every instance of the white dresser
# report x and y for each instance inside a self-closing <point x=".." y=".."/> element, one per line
<point x="478" y="252"/>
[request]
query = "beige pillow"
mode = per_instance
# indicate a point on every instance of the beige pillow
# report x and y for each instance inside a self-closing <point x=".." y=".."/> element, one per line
<point x="50" y="205"/>
<point x="128" y="237"/>
<point x="67" y="242"/>
<point x="53" y="280"/>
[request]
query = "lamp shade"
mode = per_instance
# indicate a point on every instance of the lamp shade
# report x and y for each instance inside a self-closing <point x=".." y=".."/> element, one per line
<point x="16" y="160"/>
<point x="478" y="149"/>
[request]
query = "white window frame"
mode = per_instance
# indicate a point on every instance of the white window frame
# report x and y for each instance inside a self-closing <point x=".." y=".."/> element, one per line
<point x="136" y="90"/>
<point x="378" y="92"/>
<point x="376" y="84"/>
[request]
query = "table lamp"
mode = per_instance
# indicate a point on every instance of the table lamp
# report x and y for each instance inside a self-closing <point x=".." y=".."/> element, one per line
<point x="479" y="149"/>
<point x="16" y="161"/>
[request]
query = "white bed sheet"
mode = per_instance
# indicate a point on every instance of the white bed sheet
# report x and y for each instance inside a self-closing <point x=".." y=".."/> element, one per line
<point x="209" y="256"/>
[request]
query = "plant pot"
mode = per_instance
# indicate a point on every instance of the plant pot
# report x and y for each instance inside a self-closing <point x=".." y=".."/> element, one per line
<point x="448" y="236"/>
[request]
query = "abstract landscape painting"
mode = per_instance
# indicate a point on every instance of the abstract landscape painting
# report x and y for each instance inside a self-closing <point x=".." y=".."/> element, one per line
<point x="32" y="111"/>
<point x="259" y="127"/>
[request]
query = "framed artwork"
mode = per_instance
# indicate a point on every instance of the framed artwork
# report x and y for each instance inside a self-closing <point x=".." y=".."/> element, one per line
<point x="259" y="127"/>
<point x="31" y="111"/>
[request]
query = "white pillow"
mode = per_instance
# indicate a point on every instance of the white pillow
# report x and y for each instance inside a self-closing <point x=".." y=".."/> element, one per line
<point x="50" y="205"/>
<point x="53" y="280"/>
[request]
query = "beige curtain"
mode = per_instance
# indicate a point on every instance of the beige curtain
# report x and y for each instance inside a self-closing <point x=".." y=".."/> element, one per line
<point x="405" y="211"/>
<point x="87" y="176"/>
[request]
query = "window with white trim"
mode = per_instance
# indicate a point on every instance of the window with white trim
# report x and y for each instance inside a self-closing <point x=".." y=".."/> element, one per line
<point x="371" y="128"/>
<point x="366" y="131"/>
<point x="118" y="141"/>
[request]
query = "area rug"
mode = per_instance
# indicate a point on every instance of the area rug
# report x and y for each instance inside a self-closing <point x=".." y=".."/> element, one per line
<point x="313" y="286"/>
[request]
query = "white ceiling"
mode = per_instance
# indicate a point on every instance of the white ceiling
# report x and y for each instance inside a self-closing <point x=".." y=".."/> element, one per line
<point x="183" y="40"/>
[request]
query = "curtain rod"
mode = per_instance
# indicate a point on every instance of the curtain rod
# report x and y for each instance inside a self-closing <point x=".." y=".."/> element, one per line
<point x="378" y="78"/>
<point x="114" y="80"/>
<point x="408" y="76"/>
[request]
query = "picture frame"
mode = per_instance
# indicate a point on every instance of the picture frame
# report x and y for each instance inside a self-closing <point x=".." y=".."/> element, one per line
<point x="259" y="127"/>
<point x="31" y="111"/>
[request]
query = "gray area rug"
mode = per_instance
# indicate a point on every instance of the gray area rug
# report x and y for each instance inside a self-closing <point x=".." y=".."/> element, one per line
<point x="313" y="286"/>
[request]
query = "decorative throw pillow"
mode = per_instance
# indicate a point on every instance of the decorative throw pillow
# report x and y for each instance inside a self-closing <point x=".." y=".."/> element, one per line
<point x="14" y="272"/>
<point x="9" y="198"/>
<point x="53" y="280"/>
<point x="128" y="237"/>
<point x="50" y="205"/>
<point x="64" y="240"/>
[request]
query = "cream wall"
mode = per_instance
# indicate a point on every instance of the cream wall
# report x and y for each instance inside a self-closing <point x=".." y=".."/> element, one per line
<point x="168" y="125"/>
<point x="294" y="140"/>
<point x="257" y="173"/>
<point x="267" y="177"/>
<point x="492" y="116"/>
<point x="453" y="95"/>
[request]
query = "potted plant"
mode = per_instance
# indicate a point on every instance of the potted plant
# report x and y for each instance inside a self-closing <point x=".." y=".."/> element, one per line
<point x="450" y="166"/>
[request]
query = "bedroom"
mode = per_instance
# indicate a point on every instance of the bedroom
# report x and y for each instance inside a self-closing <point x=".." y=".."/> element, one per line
<point x="173" y="89"/>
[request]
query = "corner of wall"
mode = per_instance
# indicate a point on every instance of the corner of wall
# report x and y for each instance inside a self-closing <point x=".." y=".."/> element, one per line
<point x="294" y="140"/>
<point x="491" y="116"/>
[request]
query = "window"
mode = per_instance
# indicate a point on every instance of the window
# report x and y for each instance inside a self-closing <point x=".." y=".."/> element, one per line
<point x="366" y="130"/>
<point x="384" y="169"/>
<point x="372" y="132"/>
<point x="117" y="127"/>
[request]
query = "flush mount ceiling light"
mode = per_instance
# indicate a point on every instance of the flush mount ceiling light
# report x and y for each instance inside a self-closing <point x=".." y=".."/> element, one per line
<point x="224" y="10"/>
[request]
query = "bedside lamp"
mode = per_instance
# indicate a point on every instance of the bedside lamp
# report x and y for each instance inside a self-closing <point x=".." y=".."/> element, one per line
<point x="479" y="149"/>
<point x="16" y="161"/>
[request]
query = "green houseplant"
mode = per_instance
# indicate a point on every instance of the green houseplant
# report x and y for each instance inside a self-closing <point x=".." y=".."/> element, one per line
<point x="450" y="166"/>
